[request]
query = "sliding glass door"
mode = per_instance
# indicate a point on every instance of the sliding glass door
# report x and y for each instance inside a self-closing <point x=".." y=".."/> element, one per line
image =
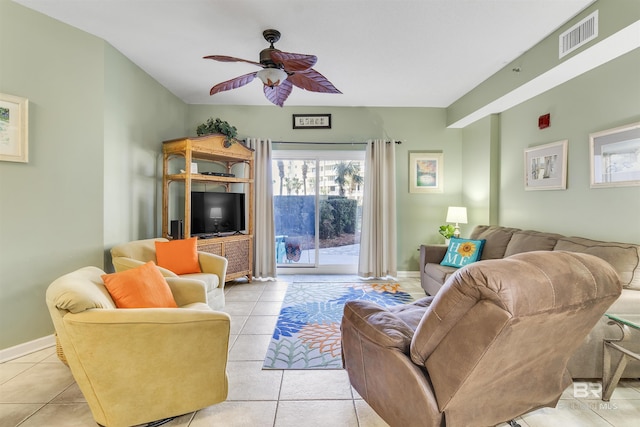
<point x="318" y="210"/>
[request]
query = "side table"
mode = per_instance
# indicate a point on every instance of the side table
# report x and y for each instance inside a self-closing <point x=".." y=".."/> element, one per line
<point x="628" y="324"/>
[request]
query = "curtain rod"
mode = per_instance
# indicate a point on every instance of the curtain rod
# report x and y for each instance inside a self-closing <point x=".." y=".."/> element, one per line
<point x="329" y="143"/>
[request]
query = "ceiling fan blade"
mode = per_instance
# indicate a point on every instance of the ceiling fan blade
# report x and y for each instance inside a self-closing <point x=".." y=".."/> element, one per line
<point x="278" y="94"/>
<point x="223" y="58"/>
<point x="313" y="81"/>
<point x="293" y="62"/>
<point x="233" y="83"/>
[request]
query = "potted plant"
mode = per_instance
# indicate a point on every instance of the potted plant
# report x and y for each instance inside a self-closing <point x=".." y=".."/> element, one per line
<point x="218" y="126"/>
<point x="447" y="231"/>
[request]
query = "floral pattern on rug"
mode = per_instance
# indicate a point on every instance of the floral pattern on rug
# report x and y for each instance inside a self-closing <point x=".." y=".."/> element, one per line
<point x="307" y="334"/>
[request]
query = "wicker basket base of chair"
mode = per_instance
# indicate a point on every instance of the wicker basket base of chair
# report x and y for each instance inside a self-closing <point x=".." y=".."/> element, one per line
<point x="59" y="351"/>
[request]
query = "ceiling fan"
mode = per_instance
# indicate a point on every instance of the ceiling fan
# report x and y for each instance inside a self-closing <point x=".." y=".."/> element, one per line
<point x="280" y="72"/>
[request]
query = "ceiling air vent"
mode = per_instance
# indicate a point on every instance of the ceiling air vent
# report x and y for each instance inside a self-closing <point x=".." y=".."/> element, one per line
<point x="579" y="34"/>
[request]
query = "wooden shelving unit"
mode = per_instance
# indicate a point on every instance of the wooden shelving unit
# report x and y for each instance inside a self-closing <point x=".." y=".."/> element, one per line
<point x="238" y="249"/>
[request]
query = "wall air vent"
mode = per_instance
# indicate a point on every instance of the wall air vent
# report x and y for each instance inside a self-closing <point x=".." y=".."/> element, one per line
<point x="578" y="35"/>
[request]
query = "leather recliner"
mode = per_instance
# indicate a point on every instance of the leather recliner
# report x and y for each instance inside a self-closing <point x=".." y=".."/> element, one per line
<point x="492" y="345"/>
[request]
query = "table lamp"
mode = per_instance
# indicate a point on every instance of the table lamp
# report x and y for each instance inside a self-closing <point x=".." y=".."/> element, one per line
<point x="216" y="215"/>
<point x="458" y="215"/>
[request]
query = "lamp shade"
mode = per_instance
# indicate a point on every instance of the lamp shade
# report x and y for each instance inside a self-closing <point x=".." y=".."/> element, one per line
<point x="457" y="214"/>
<point x="215" y="213"/>
<point x="272" y="76"/>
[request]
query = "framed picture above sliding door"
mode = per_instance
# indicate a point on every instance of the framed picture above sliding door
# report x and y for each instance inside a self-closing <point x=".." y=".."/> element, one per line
<point x="317" y="210"/>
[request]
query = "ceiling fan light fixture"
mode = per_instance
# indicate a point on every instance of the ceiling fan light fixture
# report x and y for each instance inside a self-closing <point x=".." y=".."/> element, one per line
<point x="281" y="71"/>
<point x="272" y="76"/>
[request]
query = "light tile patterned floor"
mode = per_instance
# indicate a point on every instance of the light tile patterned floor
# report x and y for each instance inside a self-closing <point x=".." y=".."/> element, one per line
<point x="38" y="390"/>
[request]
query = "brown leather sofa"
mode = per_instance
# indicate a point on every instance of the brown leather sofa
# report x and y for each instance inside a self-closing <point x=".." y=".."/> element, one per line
<point x="502" y="242"/>
<point x="491" y="345"/>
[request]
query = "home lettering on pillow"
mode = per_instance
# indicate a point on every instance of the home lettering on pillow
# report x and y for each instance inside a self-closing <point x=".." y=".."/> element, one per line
<point x="462" y="252"/>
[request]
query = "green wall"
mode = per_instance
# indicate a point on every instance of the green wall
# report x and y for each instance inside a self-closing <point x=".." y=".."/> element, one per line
<point x="480" y="172"/>
<point x="50" y="208"/>
<point x="493" y="147"/>
<point x="96" y="123"/>
<point x="138" y="115"/>
<point x="604" y="98"/>
<point x="419" y="129"/>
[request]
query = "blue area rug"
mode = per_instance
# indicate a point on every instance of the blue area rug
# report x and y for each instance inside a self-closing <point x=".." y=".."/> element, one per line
<point x="307" y="335"/>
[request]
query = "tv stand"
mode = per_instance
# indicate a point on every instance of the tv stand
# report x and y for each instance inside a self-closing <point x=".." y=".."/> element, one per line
<point x="207" y="236"/>
<point x="178" y="154"/>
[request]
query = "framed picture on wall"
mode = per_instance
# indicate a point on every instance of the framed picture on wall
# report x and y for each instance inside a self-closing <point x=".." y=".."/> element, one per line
<point x="426" y="172"/>
<point x="545" y="166"/>
<point x="312" y="121"/>
<point x="615" y="156"/>
<point x="14" y="127"/>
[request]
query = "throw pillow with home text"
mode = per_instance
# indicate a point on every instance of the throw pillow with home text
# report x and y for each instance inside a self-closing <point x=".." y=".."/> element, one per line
<point x="462" y="252"/>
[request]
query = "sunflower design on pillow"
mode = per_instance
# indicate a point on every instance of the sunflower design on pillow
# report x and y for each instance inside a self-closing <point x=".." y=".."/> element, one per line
<point x="462" y="252"/>
<point x="467" y="249"/>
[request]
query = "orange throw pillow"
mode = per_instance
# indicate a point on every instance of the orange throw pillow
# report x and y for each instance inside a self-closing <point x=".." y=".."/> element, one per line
<point x="140" y="287"/>
<point x="179" y="256"/>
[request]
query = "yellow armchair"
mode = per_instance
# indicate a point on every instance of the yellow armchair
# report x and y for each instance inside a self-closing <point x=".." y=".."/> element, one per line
<point x="214" y="267"/>
<point x="135" y="366"/>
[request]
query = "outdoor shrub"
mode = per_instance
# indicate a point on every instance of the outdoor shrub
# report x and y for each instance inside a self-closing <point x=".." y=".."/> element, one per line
<point x="345" y="214"/>
<point x="295" y="216"/>
<point x="327" y="219"/>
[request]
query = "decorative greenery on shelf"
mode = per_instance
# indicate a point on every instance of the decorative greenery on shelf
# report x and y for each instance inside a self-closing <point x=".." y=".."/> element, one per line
<point x="218" y="126"/>
<point x="447" y="231"/>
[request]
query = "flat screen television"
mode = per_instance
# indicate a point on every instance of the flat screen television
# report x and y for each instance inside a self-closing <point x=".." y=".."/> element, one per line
<point x="214" y="213"/>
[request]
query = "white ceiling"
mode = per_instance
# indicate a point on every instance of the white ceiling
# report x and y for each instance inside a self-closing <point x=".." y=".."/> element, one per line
<point x="399" y="53"/>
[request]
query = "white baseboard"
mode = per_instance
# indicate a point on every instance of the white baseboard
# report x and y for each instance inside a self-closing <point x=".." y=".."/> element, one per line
<point x="26" y="348"/>
<point x="321" y="270"/>
<point x="408" y="274"/>
<point x="336" y="270"/>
